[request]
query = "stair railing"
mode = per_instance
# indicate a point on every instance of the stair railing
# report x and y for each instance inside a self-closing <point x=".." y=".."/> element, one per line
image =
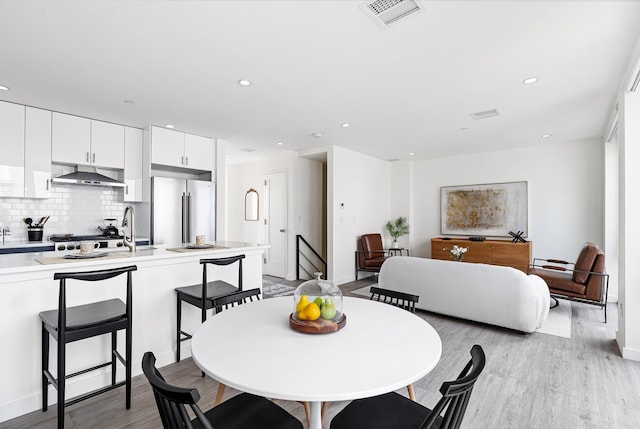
<point x="309" y="263"/>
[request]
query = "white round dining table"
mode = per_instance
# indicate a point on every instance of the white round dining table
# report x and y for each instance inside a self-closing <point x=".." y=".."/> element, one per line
<point x="252" y="348"/>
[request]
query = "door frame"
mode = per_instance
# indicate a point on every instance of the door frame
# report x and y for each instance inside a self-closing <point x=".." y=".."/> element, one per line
<point x="268" y="223"/>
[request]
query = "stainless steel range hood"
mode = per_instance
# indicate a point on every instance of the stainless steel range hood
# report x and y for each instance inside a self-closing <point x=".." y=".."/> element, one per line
<point x="87" y="176"/>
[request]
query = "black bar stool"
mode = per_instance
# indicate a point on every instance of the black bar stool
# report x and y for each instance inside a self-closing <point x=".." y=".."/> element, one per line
<point x="202" y="297"/>
<point x="68" y="324"/>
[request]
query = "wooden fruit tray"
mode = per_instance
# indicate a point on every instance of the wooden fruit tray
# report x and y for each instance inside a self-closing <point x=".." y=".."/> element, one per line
<point x="319" y="326"/>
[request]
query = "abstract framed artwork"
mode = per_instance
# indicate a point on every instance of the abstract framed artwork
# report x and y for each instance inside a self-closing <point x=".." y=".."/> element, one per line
<point x="491" y="209"/>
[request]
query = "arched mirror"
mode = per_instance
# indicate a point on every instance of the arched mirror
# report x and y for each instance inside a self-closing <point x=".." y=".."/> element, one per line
<point x="251" y="203"/>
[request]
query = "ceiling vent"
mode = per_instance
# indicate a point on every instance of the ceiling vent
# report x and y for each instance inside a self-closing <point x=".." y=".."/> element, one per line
<point x="247" y="149"/>
<point x="486" y="114"/>
<point x="386" y="12"/>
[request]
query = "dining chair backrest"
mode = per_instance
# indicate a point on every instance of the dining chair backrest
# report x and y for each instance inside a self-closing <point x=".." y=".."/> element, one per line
<point x="220" y="262"/>
<point x="172" y="400"/>
<point x="403" y="300"/>
<point x="236" y="298"/>
<point x="456" y="394"/>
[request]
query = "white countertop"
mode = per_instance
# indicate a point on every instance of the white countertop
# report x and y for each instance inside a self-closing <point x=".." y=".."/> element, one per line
<point x="26" y="262"/>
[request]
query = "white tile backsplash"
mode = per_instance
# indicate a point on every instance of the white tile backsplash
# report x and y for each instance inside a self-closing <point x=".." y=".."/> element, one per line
<point x="73" y="208"/>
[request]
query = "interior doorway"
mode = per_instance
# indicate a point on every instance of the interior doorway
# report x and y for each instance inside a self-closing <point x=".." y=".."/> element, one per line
<point x="275" y="192"/>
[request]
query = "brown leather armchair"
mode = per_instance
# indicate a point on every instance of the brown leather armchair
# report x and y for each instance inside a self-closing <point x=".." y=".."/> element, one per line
<point x="370" y="254"/>
<point x="585" y="281"/>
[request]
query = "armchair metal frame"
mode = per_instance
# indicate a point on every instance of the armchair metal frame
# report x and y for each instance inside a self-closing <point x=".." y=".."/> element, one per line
<point x="569" y="268"/>
<point x="384" y="253"/>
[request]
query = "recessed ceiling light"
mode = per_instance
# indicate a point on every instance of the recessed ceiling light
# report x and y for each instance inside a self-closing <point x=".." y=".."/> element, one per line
<point x="317" y="135"/>
<point x="244" y="82"/>
<point x="129" y="102"/>
<point x="279" y="143"/>
<point x="169" y="126"/>
<point x="4" y="88"/>
<point x="546" y="136"/>
<point x="529" y="80"/>
<point x="411" y="153"/>
<point x="345" y="125"/>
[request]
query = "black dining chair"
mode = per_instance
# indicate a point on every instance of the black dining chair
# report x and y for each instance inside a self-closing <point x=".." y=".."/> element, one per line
<point x="406" y="301"/>
<point x="403" y="300"/>
<point x="68" y="324"/>
<point x="201" y="295"/>
<point x="242" y="411"/>
<point x="394" y="411"/>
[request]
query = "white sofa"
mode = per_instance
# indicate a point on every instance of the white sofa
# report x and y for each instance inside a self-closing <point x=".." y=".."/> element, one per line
<point x="501" y="296"/>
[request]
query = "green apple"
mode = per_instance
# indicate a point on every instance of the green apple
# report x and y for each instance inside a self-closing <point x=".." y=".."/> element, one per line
<point x="319" y="301"/>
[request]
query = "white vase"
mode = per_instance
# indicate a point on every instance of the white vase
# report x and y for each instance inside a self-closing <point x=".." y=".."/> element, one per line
<point x="395" y="244"/>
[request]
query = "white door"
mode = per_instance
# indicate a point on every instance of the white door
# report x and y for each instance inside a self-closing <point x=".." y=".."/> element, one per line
<point x="275" y="206"/>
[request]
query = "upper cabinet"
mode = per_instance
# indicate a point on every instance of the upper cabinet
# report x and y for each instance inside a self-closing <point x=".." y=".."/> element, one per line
<point x="70" y="139"/>
<point x="177" y="149"/>
<point x="82" y="141"/>
<point x="133" y="175"/>
<point x="198" y="152"/>
<point x="37" y="159"/>
<point x="107" y="144"/>
<point x="25" y="167"/>
<point x="12" y="143"/>
<point x="167" y="147"/>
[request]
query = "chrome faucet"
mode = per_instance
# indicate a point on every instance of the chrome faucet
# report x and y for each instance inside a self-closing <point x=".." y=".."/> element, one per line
<point x="128" y="225"/>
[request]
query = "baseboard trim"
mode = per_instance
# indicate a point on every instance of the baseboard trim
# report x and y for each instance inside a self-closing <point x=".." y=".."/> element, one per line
<point x="81" y="384"/>
<point x="627" y="352"/>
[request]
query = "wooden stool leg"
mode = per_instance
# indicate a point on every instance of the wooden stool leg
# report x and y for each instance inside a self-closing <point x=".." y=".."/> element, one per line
<point x="307" y="411"/>
<point x="324" y="409"/>
<point x="412" y="394"/>
<point x="220" y="394"/>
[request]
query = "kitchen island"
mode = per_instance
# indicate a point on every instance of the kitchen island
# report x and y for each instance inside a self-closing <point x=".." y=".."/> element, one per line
<point x="27" y="288"/>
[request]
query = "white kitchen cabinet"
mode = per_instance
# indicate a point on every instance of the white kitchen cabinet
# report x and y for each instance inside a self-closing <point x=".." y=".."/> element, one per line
<point x="12" y="144"/>
<point x="37" y="159"/>
<point x="177" y="149"/>
<point x="70" y="139"/>
<point x="82" y="141"/>
<point x="198" y="152"/>
<point x="133" y="164"/>
<point x="107" y="145"/>
<point x="167" y="147"/>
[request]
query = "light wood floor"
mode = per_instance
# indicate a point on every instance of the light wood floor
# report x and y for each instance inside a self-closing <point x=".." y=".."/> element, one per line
<point x="530" y="381"/>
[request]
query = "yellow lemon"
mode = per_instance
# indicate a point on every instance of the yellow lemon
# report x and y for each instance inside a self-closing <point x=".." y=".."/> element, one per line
<point x="304" y="301"/>
<point x="310" y="312"/>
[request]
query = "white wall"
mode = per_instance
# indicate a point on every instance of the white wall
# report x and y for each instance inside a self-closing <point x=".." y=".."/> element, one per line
<point x="241" y="178"/>
<point x="628" y="336"/>
<point x="305" y="202"/>
<point x="401" y="203"/>
<point x="564" y="188"/>
<point x="358" y="195"/>
<point x="611" y="215"/>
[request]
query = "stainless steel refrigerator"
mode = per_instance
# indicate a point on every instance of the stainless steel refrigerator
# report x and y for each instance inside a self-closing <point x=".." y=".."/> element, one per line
<point x="182" y="209"/>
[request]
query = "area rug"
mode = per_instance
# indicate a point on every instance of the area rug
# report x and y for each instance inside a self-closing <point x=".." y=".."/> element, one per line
<point x="557" y="323"/>
<point x="271" y="289"/>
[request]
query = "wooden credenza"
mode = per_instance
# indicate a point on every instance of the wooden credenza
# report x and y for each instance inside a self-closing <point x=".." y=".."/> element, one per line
<point x="494" y="252"/>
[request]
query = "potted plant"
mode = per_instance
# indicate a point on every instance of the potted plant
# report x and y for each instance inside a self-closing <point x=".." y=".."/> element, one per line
<point x="397" y="229"/>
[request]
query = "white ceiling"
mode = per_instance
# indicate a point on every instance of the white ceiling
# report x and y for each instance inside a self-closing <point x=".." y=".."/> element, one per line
<point x="317" y="64"/>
